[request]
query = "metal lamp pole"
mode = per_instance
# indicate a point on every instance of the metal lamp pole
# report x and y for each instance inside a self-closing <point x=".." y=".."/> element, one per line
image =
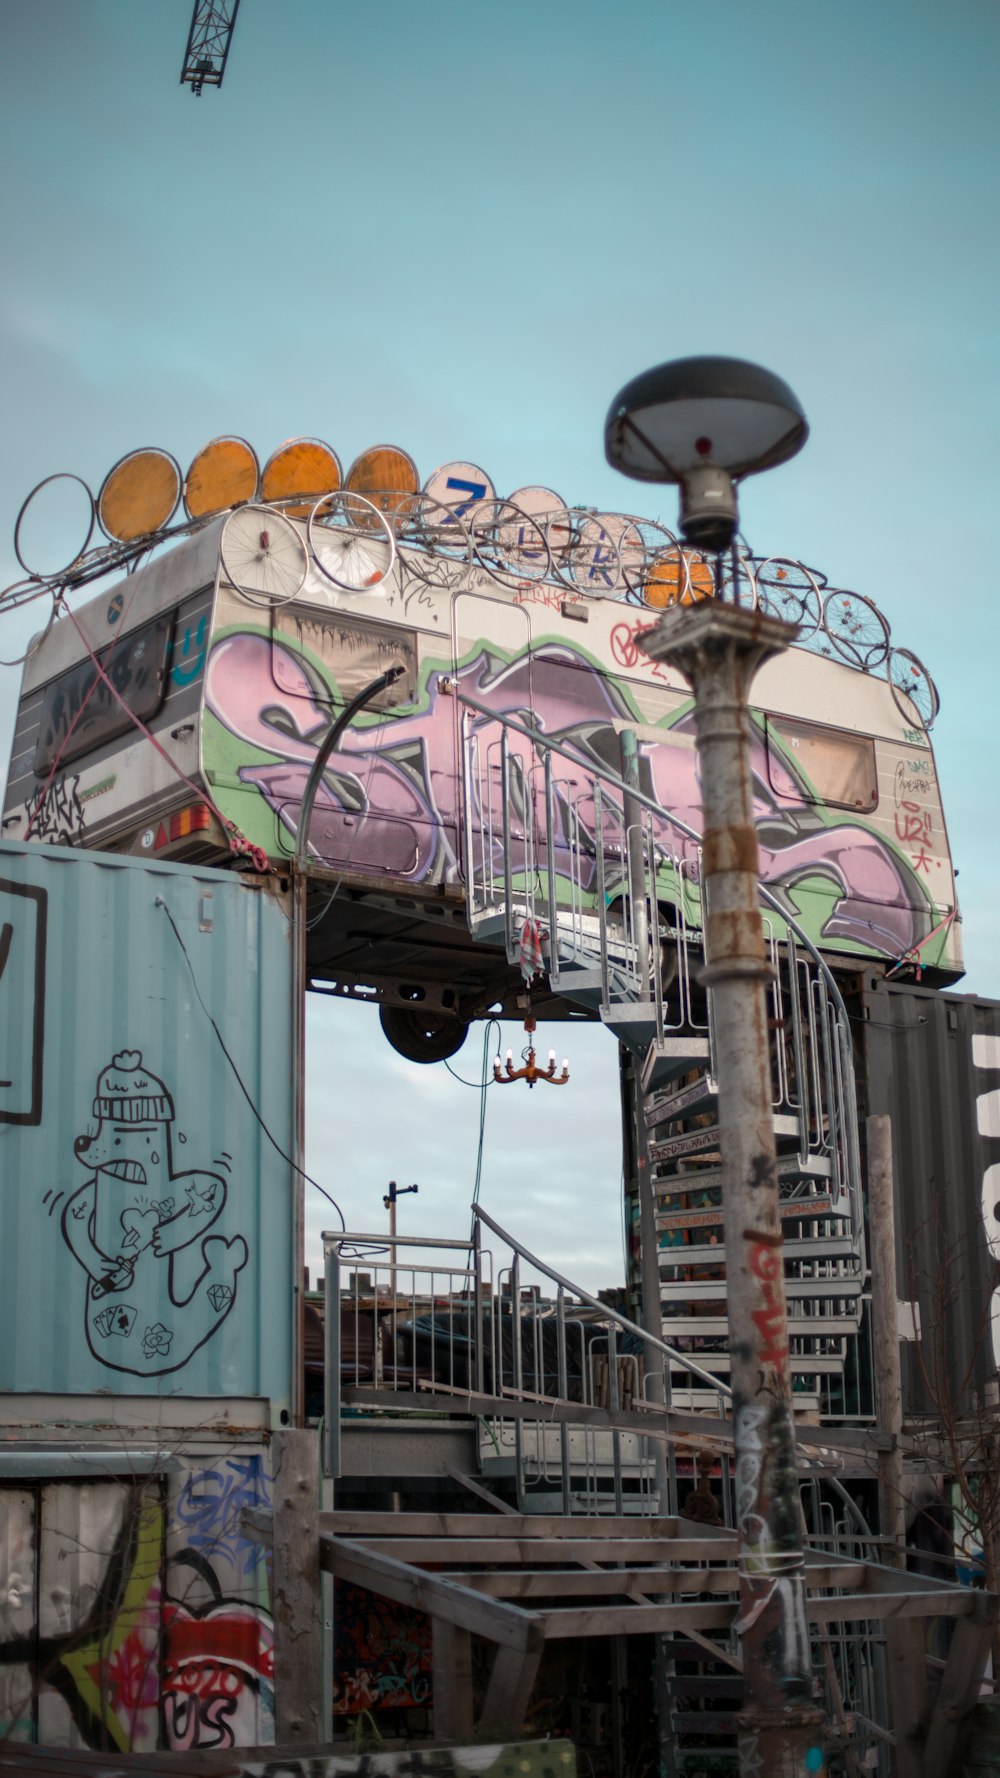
<point x="703" y="423"/>
<point x="719" y="648"/>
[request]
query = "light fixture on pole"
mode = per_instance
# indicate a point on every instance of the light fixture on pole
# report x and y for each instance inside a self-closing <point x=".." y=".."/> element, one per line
<point x="705" y="423"/>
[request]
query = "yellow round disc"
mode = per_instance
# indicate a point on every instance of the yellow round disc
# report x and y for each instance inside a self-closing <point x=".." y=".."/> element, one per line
<point x="138" y="495"/>
<point x="671" y="582"/>
<point x="385" y="475"/>
<point x="224" y="474"/>
<point x="302" y="466"/>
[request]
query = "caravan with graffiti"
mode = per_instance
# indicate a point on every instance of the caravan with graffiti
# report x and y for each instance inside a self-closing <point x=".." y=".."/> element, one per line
<point x="178" y="718"/>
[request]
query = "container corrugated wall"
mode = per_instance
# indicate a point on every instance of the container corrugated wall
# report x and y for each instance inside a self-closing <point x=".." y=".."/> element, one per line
<point x="932" y="1063"/>
<point x="145" y="1096"/>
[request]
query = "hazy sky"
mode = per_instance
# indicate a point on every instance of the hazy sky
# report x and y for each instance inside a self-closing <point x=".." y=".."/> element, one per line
<point x="461" y="230"/>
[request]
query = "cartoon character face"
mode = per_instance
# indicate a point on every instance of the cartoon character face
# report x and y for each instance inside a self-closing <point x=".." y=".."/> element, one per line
<point x="130" y="1152"/>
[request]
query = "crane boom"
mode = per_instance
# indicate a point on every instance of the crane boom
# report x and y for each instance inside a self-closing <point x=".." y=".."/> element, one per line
<point x="208" y="43"/>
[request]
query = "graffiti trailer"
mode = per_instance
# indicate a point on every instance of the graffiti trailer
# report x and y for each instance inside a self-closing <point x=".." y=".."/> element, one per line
<point x="178" y="717"/>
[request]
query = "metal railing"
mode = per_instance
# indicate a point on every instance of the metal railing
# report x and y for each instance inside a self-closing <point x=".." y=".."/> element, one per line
<point x="460" y="1323"/>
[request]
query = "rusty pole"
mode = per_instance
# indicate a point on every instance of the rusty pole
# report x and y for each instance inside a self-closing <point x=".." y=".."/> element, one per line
<point x="718" y="648"/>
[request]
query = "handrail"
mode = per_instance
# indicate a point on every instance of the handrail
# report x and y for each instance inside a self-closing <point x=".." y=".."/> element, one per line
<point x="604" y="775"/>
<point x="604" y="1309"/>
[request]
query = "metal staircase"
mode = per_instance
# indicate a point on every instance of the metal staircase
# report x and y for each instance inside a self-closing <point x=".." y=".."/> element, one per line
<point x="612" y="882"/>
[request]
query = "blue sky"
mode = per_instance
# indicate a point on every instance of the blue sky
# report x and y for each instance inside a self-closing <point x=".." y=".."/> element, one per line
<point x="461" y="230"/>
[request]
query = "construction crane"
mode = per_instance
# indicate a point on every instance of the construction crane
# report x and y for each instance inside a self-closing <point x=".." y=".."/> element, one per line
<point x="208" y="43"/>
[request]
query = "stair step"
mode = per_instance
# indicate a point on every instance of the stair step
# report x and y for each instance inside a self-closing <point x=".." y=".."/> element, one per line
<point x="671" y="1148"/>
<point x="807" y="1250"/>
<point x="489" y="927"/>
<point x="716" y="1290"/>
<point x="673" y="1102"/>
<point x="711" y="1215"/>
<point x="582" y="985"/>
<point x="790" y="1167"/>
<point x="705" y="1685"/>
<point x="670" y="1057"/>
<point x="716" y="1327"/>
<point x="629" y="1012"/>
<point x="704" y="1722"/>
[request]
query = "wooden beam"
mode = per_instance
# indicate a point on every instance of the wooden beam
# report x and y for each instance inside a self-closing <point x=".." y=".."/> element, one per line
<point x="509" y="1691"/>
<point x="438" y="1596"/>
<point x="295" y="1588"/>
<point x="346" y="1523"/>
<point x="906" y="1671"/>
<point x="540" y="1583"/>
<point x="641" y="1620"/>
<point x="474" y="1487"/>
<point x="537" y="1550"/>
<point x="451" y="1664"/>
<point x="962" y="1678"/>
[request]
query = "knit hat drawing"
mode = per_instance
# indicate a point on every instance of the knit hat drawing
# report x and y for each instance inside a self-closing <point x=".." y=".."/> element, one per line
<point x="127" y="1093"/>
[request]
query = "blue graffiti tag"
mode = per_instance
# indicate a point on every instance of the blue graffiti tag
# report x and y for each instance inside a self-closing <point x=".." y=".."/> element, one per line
<point x="209" y="1507"/>
<point x="188" y="674"/>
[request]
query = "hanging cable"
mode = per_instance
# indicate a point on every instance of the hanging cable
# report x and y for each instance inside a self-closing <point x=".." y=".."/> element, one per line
<point x="275" y="1144"/>
<point x="238" y="842"/>
<point x="491" y="1024"/>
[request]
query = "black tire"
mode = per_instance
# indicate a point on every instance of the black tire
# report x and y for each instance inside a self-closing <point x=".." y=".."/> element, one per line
<point x="422" y="1036"/>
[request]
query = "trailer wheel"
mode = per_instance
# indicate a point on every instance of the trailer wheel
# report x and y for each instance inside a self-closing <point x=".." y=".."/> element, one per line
<point x="422" y="1036"/>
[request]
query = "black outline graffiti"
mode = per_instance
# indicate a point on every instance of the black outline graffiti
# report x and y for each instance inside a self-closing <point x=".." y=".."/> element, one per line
<point x="41" y="900"/>
<point x="134" y="1111"/>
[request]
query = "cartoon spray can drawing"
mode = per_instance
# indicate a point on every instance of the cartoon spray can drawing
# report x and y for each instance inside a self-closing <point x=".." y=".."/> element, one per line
<point x="136" y="1224"/>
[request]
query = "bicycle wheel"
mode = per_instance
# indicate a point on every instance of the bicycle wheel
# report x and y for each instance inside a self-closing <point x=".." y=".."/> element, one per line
<point x="913" y="688"/>
<point x="351" y="542"/>
<point x="856" y="628"/>
<point x="641" y="541"/>
<point x="437" y="545"/>
<point x="677" y="577"/>
<point x="62" y="475"/>
<point x="584" y="547"/>
<point x="263" y="555"/>
<point x="788" y="590"/>
<point x="508" y="545"/>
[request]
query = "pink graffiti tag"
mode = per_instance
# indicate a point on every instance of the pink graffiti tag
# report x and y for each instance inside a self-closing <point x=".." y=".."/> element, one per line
<point x="913" y="824"/>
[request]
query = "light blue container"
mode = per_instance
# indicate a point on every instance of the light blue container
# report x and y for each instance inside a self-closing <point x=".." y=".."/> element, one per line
<point x="146" y="1120"/>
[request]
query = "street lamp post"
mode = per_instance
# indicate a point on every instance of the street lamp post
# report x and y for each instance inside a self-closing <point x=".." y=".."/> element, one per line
<point x="704" y="423"/>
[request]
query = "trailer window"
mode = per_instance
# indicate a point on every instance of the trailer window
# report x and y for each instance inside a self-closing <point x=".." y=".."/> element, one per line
<point x="835" y="766"/>
<point x="79" y="712"/>
<point x="353" y="651"/>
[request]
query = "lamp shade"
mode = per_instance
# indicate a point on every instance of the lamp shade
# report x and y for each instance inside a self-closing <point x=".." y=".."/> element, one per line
<point x="692" y="411"/>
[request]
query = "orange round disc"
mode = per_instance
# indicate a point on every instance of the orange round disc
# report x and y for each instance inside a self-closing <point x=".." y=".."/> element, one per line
<point x="139" y="494"/>
<point x="302" y="466"/>
<point x="224" y="474"/>
<point x="668" y="582"/>
<point x="384" y="475"/>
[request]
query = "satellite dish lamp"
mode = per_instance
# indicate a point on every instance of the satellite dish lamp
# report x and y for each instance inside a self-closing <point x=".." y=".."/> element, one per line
<point x="704" y="423"/>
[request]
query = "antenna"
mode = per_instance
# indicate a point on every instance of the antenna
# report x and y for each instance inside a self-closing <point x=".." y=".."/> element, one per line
<point x="208" y="43"/>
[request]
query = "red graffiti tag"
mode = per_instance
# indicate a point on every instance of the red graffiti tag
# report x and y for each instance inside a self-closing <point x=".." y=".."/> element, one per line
<point x="769" y="1320"/>
<point x="913" y="824"/>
